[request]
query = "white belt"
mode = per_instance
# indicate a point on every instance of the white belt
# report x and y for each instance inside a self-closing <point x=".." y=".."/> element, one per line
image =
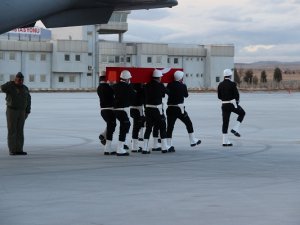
<point x="107" y="108"/>
<point x="231" y="101"/>
<point x="159" y="107"/>
<point x="225" y="102"/>
<point x="126" y="109"/>
<point x="181" y="106"/>
<point x="140" y="108"/>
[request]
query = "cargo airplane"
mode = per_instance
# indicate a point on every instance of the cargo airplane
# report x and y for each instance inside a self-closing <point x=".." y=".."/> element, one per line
<point x="64" y="13"/>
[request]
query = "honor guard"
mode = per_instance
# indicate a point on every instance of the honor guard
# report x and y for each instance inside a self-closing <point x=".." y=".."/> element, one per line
<point x="155" y="91"/>
<point x="106" y="97"/>
<point x="229" y="95"/>
<point x="177" y="91"/>
<point x="123" y="96"/>
<point x="137" y="114"/>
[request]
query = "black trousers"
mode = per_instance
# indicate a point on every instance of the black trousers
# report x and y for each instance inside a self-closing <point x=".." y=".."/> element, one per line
<point x="174" y="113"/>
<point x="227" y="109"/>
<point x="109" y="117"/>
<point x="124" y="124"/>
<point x="154" y="118"/>
<point x="138" y="122"/>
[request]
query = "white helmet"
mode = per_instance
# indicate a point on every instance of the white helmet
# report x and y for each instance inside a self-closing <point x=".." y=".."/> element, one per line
<point x="178" y="75"/>
<point x="125" y="74"/>
<point x="227" y="73"/>
<point x="157" y="73"/>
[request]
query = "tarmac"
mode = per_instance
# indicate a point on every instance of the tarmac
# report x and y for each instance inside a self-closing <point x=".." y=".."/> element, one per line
<point x="66" y="179"/>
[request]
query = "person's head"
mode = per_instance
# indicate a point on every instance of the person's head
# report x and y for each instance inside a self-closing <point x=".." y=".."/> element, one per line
<point x="102" y="76"/>
<point x="227" y="73"/>
<point x="157" y="74"/>
<point x="125" y="76"/>
<point x="19" y="79"/>
<point x="178" y="75"/>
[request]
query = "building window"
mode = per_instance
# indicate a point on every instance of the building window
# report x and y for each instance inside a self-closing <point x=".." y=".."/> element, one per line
<point x="43" y="78"/>
<point x="104" y="59"/>
<point x="31" y="78"/>
<point x="158" y="59"/>
<point x="72" y="79"/>
<point x="176" y="60"/>
<point x="197" y="75"/>
<point x="117" y="59"/>
<point x="128" y="59"/>
<point x="67" y="57"/>
<point x="12" y="56"/>
<point x="77" y="58"/>
<point x="32" y="56"/>
<point x="2" y="56"/>
<point x="168" y="60"/>
<point x="149" y="59"/>
<point x="89" y="74"/>
<point x="111" y="59"/>
<point x="217" y="79"/>
<point x="60" y="79"/>
<point x="43" y="57"/>
<point x="121" y="59"/>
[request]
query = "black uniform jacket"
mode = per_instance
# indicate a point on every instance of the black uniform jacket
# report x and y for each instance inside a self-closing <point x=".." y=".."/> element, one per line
<point x="227" y="91"/>
<point x="139" y="98"/>
<point x="124" y="94"/>
<point x="177" y="93"/>
<point x="106" y="95"/>
<point x="155" y="92"/>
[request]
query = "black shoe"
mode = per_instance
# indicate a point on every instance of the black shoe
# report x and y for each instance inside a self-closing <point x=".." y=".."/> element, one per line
<point x="135" y="151"/>
<point x="164" y="151"/>
<point x="197" y="143"/>
<point x="235" y="133"/>
<point x="159" y="140"/>
<point x="110" y="153"/>
<point x="227" y="145"/>
<point x="156" y="149"/>
<point x="18" y="153"/>
<point x="146" y="152"/>
<point x="141" y="139"/>
<point x="123" y="154"/>
<point x="171" y="149"/>
<point x="126" y="147"/>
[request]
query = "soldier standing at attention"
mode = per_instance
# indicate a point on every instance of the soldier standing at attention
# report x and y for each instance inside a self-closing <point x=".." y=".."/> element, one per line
<point x="155" y="91"/>
<point x="229" y="94"/>
<point x="124" y="94"/>
<point x="18" y="102"/>
<point x="177" y="91"/>
<point x="106" y="97"/>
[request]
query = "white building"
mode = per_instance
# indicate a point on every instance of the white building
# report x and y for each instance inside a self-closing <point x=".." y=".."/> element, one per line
<point x="72" y="58"/>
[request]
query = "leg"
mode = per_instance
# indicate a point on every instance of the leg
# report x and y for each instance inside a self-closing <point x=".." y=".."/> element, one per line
<point x="11" y="117"/>
<point x="20" y="131"/>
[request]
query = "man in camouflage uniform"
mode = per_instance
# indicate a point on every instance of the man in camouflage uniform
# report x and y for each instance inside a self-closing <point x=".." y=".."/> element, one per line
<point x="18" y="102"/>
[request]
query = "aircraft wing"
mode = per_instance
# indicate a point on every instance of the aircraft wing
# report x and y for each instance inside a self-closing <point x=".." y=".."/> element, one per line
<point x="61" y="13"/>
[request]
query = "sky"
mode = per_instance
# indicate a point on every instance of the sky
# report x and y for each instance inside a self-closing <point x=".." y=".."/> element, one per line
<point x="261" y="30"/>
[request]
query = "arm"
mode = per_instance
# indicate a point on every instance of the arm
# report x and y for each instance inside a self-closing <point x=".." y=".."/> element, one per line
<point x="6" y="87"/>
<point x="28" y="108"/>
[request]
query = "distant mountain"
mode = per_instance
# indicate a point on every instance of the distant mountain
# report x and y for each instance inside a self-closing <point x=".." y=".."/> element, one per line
<point x="268" y="65"/>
